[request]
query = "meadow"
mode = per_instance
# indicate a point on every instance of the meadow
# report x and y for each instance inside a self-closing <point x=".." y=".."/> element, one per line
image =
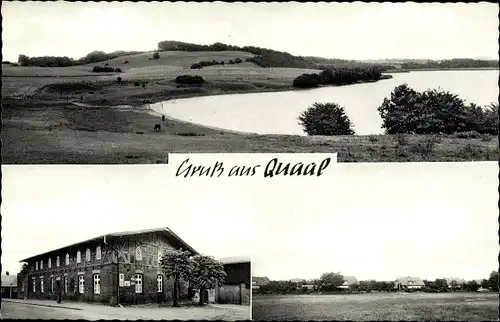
<point x="394" y="306"/>
<point x="42" y="124"/>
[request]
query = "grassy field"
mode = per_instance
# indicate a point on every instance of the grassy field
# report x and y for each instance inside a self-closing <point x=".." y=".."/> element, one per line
<point x="40" y="124"/>
<point x="378" y="306"/>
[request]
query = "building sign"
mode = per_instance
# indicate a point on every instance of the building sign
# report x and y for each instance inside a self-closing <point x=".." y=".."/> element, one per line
<point x="127" y="283"/>
<point x="122" y="279"/>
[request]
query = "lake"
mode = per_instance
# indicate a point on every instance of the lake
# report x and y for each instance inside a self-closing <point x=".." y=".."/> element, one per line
<point x="277" y="112"/>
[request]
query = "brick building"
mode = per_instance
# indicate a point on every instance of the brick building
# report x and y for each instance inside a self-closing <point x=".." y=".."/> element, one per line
<point x="91" y="270"/>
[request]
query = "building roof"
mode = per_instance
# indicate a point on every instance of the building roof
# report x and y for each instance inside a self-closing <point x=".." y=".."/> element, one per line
<point x="260" y="280"/>
<point x="235" y="260"/>
<point x="9" y="280"/>
<point x="459" y="281"/>
<point x="410" y="280"/>
<point x="165" y="230"/>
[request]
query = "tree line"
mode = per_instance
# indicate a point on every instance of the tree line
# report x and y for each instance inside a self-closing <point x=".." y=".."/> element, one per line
<point x="330" y="282"/>
<point x="338" y="76"/>
<point x="58" y="61"/>
<point x="205" y="63"/>
<point x="452" y="63"/>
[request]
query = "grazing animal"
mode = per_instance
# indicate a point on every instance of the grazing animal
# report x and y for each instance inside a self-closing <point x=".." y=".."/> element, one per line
<point x="163" y="118"/>
<point x="157" y="128"/>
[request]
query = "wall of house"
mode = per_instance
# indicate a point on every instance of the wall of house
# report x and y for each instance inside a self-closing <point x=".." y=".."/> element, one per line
<point x="237" y="273"/>
<point x="106" y="267"/>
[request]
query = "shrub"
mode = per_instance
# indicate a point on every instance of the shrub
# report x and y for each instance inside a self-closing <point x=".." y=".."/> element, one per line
<point x="126" y="62"/>
<point x="222" y="62"/>
<point x="196" y="66"/>
<point x="307" y="81"/>
<point x="137" y="84"/>
<point x="103" y="69"/>
<point x="231" y="61"/>
<point x="188" y="79"/>
<point x="238" y="61"/>
<point x="433" y="112"/>
<point x="143" y="85"/>
<point x="118" y="70"/>
<point x="156" y="55"/>
<point x="326" y="119"/>
<point x="119" y="79"/>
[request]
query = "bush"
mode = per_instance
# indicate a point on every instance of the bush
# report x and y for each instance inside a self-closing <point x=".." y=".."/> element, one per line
<point x="231" y="61"/>
<point x="104" y="69"/>
<point x="119" y="79"/>
<point x="307" y="81"/>
<point x="188" y="79"/>
<point x="137" y="84"/>
<point x="143" y="85"/>
<point x="156" y="55"/>
<point x="326" y="119"/>
<point x="238" y="61"/>
<point x="196" y="66"/>
<point x="434" y="112"/>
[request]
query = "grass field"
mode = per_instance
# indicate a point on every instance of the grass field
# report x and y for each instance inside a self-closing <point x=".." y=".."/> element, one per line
<point x="378" y="306"/>
<point x="40" y="124"/>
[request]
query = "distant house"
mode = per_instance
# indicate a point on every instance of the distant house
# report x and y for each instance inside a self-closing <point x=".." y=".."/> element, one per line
<point x="9" y="286"/>
<point x="349" y="281"/>
<point x="298" y="282"/>
<point x="408" y="283"/>
<point x="257" y="282"/>
<point x="455" y="283"/>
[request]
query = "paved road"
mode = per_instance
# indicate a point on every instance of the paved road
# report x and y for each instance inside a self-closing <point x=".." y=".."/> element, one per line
<point x="23" y="311"/>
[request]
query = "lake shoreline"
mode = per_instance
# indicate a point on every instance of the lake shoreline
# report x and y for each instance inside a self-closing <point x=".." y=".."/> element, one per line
<point x="44" y="127"/>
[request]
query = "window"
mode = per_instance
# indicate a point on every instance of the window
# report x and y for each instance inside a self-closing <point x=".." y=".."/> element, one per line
<point x="58" y="261"/>
<point x="138" y="254"/>
<point x="160" y="256"/>
<point x="78" y="257"/>
<point x="81" y="284"/>
<point x="41" y="284"/>
<point x="34" y="284"/>
<point x="159" y="282"/>
<point x="87" y="255"/>
<point x="122" y="279"/>
<point x="36" y="265"/>
<point x="52" y="285"/>
<point x="97" y="284"/>
<point x="67" y="259"/>
<point x="50" y="262"/>
<point x="65" y="284"/>
<point x="22" y="287"/>
<point x="138" y="283"/>
<point x="98" y="253"/>
<point x="41" y="264"/>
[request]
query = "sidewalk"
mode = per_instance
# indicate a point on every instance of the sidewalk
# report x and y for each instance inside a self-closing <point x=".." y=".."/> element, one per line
<point x="210" y="312"/>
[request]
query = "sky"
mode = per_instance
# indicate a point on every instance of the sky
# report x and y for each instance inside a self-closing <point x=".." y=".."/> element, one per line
<point x="47" y="207"/>
<point x="333" y="30"/>
<point x="380" y="221"/>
